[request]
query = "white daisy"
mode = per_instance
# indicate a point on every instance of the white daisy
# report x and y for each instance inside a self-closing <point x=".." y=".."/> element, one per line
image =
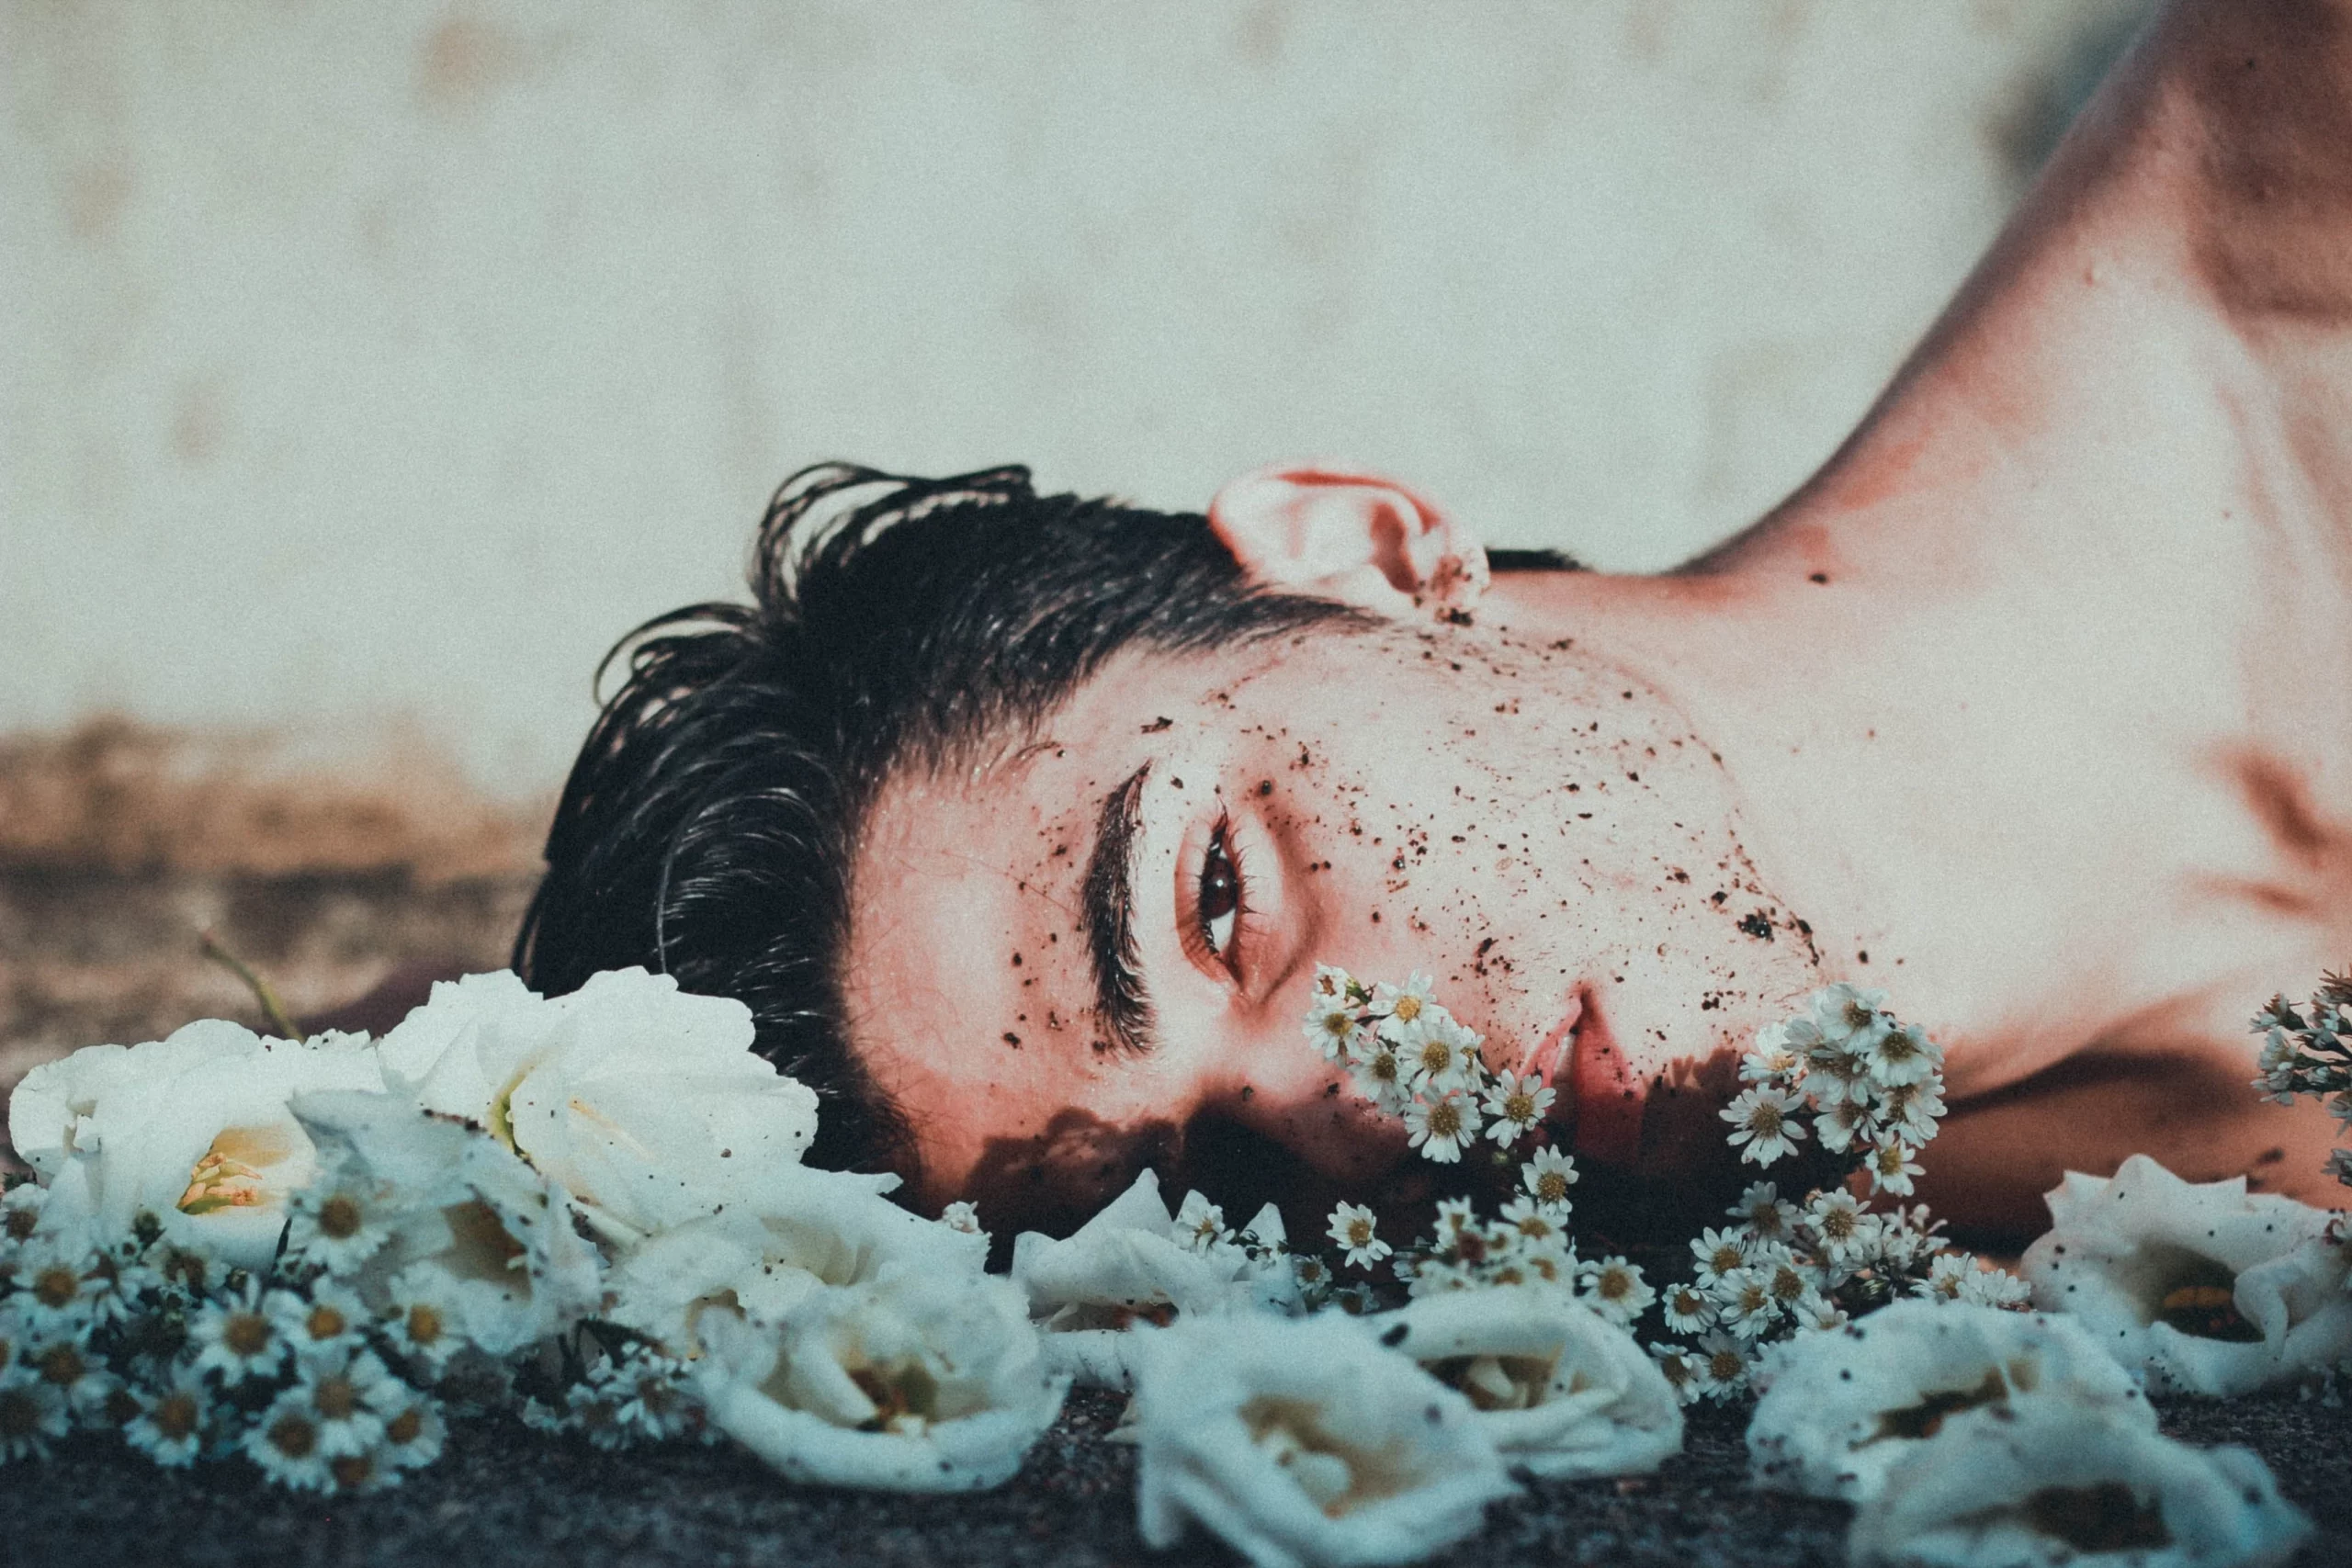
<point x="1685" y="1372"/>
<point x="962" y="1216"/>
<point x="1687" y="1309"/>
<point x="235" y="1337"/>
<point x="1996" y="1288"/>
<point x="54" y="1289"/>
<point x="1911" y="1109"/>
<point x="1769" y="1215"/>
<point x="172" y="1419"/>
<point x="20" y="1211"/>
<point x="329" y="1321"/>
<point x="1836" y="1218"/>
<point x="1330" y="980"/>
<point x="1517" y="1104"/>
<point x="1772" y="1058"/>
<point x="1744" y="1300"/>
<point x="1379" y="1073"/>
<point x="651" y="1400"/>
<point x="284" y="1442"/>
<point x="1843" y="1010"/>
<point x="1615" y="1289"/>
<point x="369" y="1469"/>
<point x="1718" y="1252"/>
<point x="1817" y="1311"/>
<point x="1548" y="1175"/>
<point x="1199" y="1223"/>
<point x="1553" y="1263"/>
<point x="1947" y="1276"/>
<point x="1535" y="1223"/>
<point x="1442" y="1126"/>
<point x="340" y="1393"/>
<point x="1403" y="1011"/>
<point x="1904" y="1055"/>
<point x="1729" y="1364"/>
<point x="419" y="1326"/>
<point x="343" y="1218"/>
<point x="1354" y="1229"/>
<point x="1765" y="1120"/>
<point x="1331" y="1027"/>
<point x="33" y="1413"/>
<point x="67" y="1364"/>
<point x="1840" y="1121"/>
<point x="1892" y="1167"/>
<point x="1444" y="1057"/>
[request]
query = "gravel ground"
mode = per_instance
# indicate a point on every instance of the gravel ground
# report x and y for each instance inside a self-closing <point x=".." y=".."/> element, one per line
<point x="503" y="1496"/>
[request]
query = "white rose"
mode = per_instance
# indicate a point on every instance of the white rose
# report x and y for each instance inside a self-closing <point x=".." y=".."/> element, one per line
<point x="1300" y="1441"/>
<point x="915" y="1381"/>
<point x="2052" y="1482"/>
<point x="642" y="1101"/>
<point x="473" y="1231"/>
<point x="1842" y="1407"/>
<point x="1561" y="1390"/>
<point x="194" y="1130"/>
<point x="799" y="1230"/>
<point x="2210" y="1289"/>
<point x="1127" y="1266"/>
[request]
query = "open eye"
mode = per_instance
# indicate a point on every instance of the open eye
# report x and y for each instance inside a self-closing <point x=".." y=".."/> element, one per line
<point x="1217" y="909"/>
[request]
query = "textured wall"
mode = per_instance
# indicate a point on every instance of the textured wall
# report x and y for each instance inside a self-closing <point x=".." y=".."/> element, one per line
<point x="378" y="363"/>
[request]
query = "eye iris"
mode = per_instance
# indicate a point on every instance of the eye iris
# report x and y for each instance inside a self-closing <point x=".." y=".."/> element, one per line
<point x="1220" y="892"/>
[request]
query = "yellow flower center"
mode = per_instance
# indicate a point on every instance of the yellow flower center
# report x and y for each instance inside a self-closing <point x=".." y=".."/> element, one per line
<point x="325" y="1322"/>
<point x="1445" y="1119"/>
<point x="56" y="1286"/>
<point x="340" y="1218"/>
<point x="175" y="1417"/>
<point x="293" y="1436"/>
<point x="335" y="1398"/>
<point x="424" y="1324"/>
<point x="247" y="1333"/>
<point x="1551" y="1187"/>
<point x="1408" y="1008"/>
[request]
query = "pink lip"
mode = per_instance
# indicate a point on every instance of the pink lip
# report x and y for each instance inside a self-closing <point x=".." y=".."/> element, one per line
<point x="1600" y="1098"/>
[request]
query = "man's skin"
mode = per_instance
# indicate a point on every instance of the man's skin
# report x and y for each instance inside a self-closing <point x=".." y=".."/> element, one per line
<point x="2031" y="707"/>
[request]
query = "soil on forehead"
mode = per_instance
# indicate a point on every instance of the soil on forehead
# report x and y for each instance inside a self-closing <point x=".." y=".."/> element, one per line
<point x="502" y="1496"/>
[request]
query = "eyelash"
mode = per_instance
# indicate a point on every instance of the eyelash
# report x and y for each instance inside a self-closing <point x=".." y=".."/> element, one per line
<point x="1220" y="838"/>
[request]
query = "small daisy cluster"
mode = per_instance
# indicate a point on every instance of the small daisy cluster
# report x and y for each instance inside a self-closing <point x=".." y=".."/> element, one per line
<point x="2310" y="1052"/>
<point x="1844" y="1074"/>
<point x="1410" y="1056"/>
<point x="185" y="1359"/>
<point x="1864" y="1087"/>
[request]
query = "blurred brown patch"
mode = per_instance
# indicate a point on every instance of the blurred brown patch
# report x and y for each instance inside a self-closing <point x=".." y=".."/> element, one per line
<point x="120" y="842"/>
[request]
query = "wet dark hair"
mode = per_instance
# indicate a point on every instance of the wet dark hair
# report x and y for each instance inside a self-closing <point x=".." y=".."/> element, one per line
<point x="709" y="827"/>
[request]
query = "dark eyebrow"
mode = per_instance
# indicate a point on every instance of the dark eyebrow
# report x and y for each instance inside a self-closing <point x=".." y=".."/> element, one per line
<point x="1120" y="998"/>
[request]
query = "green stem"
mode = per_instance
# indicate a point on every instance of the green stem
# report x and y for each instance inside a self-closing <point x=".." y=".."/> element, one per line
<point x="278" y="1017"/>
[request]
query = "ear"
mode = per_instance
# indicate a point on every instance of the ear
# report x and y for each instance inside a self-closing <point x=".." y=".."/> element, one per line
<point x="1344" y="533"/>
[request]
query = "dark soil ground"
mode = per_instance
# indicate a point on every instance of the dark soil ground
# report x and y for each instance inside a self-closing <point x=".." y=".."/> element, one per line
<point x="503" y="1496"/>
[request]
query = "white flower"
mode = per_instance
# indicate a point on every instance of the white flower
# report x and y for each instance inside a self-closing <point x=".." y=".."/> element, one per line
<point x="344" y="1217"/>
<point x="1443" y="1059"/>
<point x="1403" y="1013"/>
<point x="1719" y="1253"/>
<point x="1443" y="1125"/>
<point x="1615" y="1289"/>
<point x="963" y="1216"/>
<point x="651" y="1393"/>
<point x="645" y="1103"/>
<point x="1122" y="1269"/>
<point x="1890" y="1168"/>
<point x="193" y="1129"/>
<point x="1685" y="1370"/>
<point x="20" y="1211"/>
<point x="1687" y="1309"/>
<point x="418" y="1328"/>
<point x="1772" y="1058"/>
<point x="329" y="1322"/>
<point x="2051" y="1482"/>
<point x="1842" y="1408"/>
<point x="1562" y="1390"/>
<point x="1330" y="1025"/>
<point x="1199" y="1223"/>
<point x="1947" y="1277"/>
<point x="912" y="1382"/>
<point x="1995" y="1287"/>
<point x="172" y="1418"/>
<point x="1534" y="1224"/>
<point x="1840" y="1123"/>
<point x="414" y="1430"/>
<point x="33" y="1413"/>
<point x="1730" y="1365"/>
<point x="1768" y="1116"/>
<point x="340" y="1395"/>
<point x="234" y="1335"/>
<point x="1745" y="1302"/>
<point x="1765" y="1211"/>
<point x="1355" y="1229"/>
<point x="1379" y="1073"/>
<point x="1818" y="1313"/>
<point x="67" y="1363"/>
<point x="1836" y="1221"/>
<point x="1548" y="1174"/>
<point x="1303" y="1442"/>
<point x="1517" y="1104"/>
<point x="56" y="1289"/>
<point x="284" y="1442"/>
<point x="1911" y="1109"/>
<point x="1904" y="1055"/>
<point x="1842" y="1012"/>
<point x="2210" y="1289"/>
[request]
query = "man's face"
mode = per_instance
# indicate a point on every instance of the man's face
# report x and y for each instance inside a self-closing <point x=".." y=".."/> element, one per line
<point x="1093" y="950"/>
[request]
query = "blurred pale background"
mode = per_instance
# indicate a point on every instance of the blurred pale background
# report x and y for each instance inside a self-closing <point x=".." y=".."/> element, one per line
<point x="369" y="367"/>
